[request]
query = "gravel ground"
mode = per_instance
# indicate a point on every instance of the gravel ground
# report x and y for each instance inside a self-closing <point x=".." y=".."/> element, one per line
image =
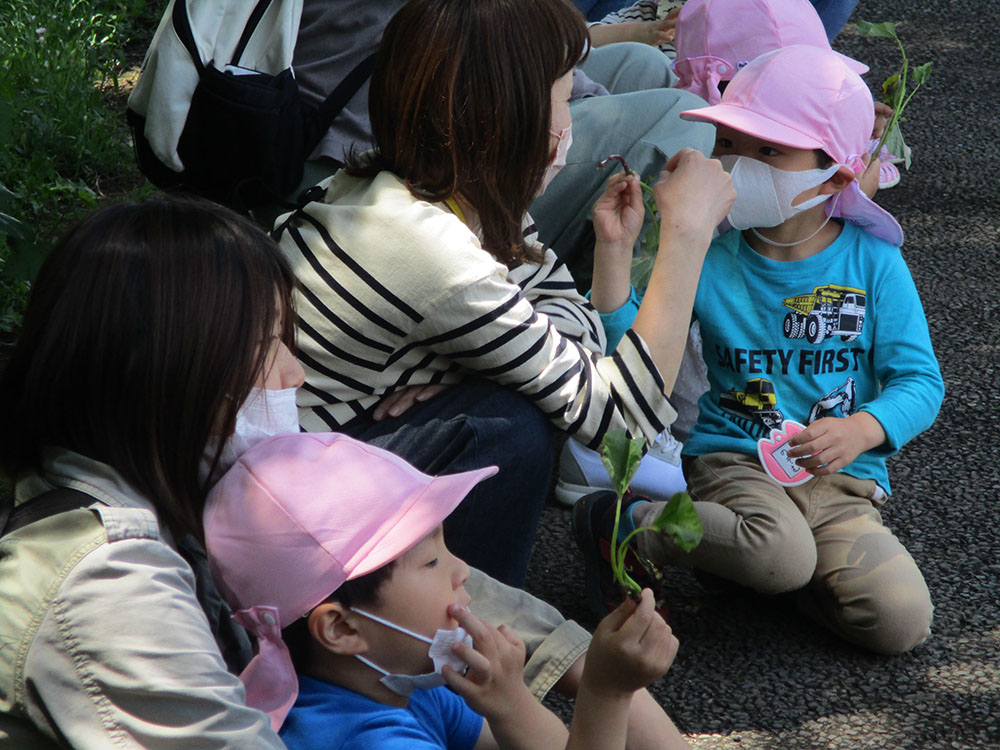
<point x="751" y="673"/>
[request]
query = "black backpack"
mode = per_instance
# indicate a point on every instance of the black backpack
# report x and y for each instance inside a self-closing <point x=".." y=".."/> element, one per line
<point x="248" y="134"/>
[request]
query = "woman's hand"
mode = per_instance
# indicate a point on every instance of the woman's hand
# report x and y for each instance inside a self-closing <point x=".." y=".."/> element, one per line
<point x="829" y="444"/>
<point x="618" y="216"/>
<point x="399" y="401"/>
<point x="693" y="195"/>
<point x="619" y="212"/>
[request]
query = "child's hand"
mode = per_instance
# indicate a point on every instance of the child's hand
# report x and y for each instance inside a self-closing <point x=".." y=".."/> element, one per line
<point x="868" y="181"/>
<point x="619" y="212"/>
<point x="659" y="31"/>
<point x="882" y="114"/>
<point x="655" y="32"/>
<point x="831" y="443"/>
<point x="694" y="194"/>
<point x="493" y="685"/>
<point x="631" y="648"/>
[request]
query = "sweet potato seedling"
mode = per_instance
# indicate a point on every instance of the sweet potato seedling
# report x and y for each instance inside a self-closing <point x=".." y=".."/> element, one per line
<point x="621" y="456"/>
<point x="895" y="88"/>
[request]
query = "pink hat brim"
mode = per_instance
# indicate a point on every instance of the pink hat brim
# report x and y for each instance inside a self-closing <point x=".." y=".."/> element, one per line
<point x="426" y="512"/>
<point x="752" y="123"/>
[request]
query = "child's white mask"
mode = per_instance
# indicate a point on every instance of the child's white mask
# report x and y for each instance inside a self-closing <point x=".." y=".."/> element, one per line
<point x="439" y="651"/>
<point x="559" y="161"/>
<point x="265" y="413"/>
<point x="764" y="194"/>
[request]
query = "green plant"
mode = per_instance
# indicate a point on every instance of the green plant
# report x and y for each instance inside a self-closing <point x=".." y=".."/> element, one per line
<point x="642" y="264"/>
<point x="63" y="141"/>
<point x="895" y="91"/>
<point x="621" y="456"/>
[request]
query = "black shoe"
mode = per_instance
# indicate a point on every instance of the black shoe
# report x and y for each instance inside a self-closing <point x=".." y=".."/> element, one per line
<point x="593" y="525"/>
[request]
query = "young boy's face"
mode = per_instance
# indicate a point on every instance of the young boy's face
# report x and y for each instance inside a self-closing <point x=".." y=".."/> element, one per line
<point x="736" y="143"/>
<point x="424" y="582"/>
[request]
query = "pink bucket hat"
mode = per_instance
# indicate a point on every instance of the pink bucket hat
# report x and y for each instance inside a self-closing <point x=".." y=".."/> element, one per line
<point x="806" y="97"/>
<point x="296" y="517"/>
<point x="715" y="38"/>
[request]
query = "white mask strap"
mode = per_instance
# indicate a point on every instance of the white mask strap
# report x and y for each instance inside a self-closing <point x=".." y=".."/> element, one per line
<point x="392" y="625"/>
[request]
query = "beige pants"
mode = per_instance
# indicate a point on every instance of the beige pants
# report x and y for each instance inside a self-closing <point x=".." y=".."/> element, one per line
<point x="824" y="537"/>
<point x="553" y="643"/>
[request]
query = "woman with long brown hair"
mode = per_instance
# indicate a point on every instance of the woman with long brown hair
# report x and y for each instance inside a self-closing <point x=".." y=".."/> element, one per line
<point x="148" y="330"/>
<point x="419" y="268"/>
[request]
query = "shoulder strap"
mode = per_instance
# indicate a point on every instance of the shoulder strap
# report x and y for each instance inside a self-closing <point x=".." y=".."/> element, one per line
<point x="258" y="12"/>
<point x="338" y="99"/>
<point x="182" y="25"/>
<point x="48" y="504"/>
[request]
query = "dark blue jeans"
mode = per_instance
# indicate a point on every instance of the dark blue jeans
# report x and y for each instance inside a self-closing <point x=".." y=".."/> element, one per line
<point x="834" y="14"/>
<point x="471" y="425"/>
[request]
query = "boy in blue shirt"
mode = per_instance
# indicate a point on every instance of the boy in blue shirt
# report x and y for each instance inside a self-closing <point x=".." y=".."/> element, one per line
<point x="336" y="547"/>
<point x="808" y="314"/>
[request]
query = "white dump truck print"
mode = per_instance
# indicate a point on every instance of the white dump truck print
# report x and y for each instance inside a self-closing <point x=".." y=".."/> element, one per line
<point x="829" y="310"/>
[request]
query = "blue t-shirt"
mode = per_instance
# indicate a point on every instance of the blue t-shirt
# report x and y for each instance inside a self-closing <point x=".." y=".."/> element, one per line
<point x="839" y="332"/>
<point x="330" y="717"/>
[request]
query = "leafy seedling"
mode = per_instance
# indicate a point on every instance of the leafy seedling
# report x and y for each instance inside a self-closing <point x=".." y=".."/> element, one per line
<point x="621" y="456"/>
<point x="896" y="91"/>
<point x="642" y="264"/>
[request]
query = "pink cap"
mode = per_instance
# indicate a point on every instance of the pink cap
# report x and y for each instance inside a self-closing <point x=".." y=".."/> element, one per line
<point x="296" y="517"/>
<point x="806" y="97"/>
<point x="715" y="38"/>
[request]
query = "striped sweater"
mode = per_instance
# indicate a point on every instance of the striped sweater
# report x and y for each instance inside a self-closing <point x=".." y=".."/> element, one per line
<point x="396" y="291"/>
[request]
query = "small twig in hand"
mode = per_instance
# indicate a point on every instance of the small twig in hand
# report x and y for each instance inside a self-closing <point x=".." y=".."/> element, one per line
<point x="615" y="157"/>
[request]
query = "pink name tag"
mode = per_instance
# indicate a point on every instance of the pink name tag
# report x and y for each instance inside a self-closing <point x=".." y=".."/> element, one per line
<point x="773" y="454"/>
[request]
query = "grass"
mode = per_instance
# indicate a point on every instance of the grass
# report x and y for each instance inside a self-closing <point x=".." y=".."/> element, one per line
<point x="64" y="145"/>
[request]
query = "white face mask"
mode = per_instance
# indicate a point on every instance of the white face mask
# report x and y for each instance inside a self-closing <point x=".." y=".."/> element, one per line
<point x="559" y="161"/>
<point x="439" y="651"/>
<point x="764" y="194"/>
<point x="266" y="413"/>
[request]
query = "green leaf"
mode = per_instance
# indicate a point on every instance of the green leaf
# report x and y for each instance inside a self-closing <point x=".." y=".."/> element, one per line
<point x="680" y="520"/>
<point x="884" y="30"/>
<point x="621" y="457"/>
<point x="891" y="91"/>
<point x="921" y="73"/>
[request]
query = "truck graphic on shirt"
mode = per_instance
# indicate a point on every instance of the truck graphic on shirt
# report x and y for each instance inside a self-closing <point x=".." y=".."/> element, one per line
<point x="758" y="403"/>
<point x="829" y="310"/>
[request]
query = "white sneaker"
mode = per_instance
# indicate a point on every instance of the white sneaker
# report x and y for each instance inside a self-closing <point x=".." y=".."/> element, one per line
<point x="581" y="471"/>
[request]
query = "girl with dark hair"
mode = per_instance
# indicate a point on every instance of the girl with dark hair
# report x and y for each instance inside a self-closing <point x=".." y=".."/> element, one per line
<point x="149" y="328"/>
<point x="420" y="269"/>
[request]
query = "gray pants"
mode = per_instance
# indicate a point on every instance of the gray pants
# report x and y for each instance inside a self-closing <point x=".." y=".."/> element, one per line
<point x="640" y="121"/>
<point x="824" y="537"/>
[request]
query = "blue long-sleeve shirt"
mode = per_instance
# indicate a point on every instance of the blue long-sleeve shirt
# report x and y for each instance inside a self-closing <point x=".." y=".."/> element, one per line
<point x="839" y="332"/>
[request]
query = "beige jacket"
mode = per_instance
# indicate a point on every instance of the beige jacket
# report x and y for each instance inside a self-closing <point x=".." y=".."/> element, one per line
<point x="102" y="641"/>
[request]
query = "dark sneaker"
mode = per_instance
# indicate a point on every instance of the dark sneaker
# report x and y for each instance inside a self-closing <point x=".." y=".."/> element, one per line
<point x="593" y="524"/>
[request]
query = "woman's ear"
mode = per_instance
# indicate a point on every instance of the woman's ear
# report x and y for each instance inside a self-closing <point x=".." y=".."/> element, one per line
<point x="837" y="181"/>
<point x="332" y="626"/>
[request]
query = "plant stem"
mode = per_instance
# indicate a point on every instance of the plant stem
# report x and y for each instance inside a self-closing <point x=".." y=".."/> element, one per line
<point x="616" y="554"/>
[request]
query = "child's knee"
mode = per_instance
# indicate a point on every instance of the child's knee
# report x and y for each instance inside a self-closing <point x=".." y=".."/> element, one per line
<point x="897" y="620"/>
<point x="786" y="563"/>
<point x="772" y="554"/>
